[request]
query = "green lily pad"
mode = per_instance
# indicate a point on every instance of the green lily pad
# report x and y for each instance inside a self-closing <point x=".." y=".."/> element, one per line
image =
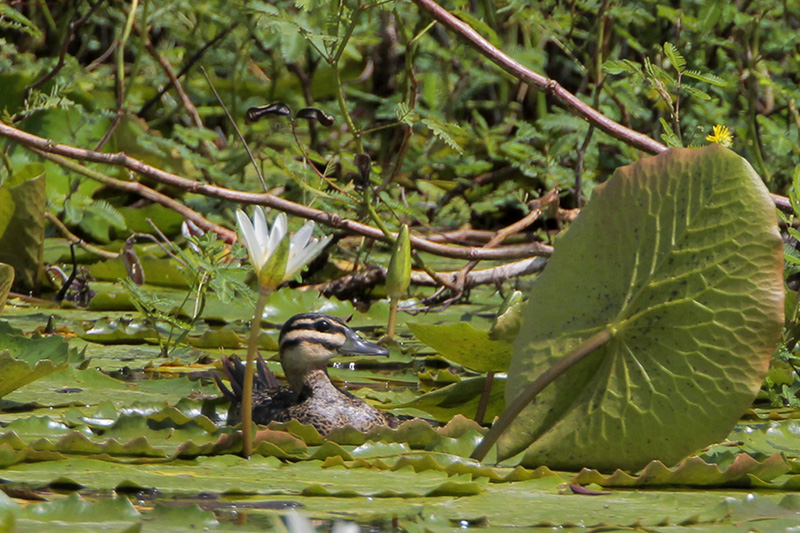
<point x="464" y="345"/>
<point x="24" y="360"/>
<point x="231" y="474"/>
<point x="678" y="257"/>
<point x="457" y="399"/>
<point x="692" y="471"/>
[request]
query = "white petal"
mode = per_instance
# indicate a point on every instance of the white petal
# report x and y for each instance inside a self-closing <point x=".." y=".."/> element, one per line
<point x="300" y="239"/>
<point x="250" y="239"/>
<point x="262" y="232"/>
<point x="305" y="256"/>
<point x="279" y="227"/>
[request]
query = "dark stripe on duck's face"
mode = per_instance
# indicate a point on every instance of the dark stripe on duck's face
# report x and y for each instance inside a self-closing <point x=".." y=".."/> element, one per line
<point x="312" y="321"/>
<point x="327" y="332"/>
<point x="331" y="345"/>
<point x="321" y="330"/>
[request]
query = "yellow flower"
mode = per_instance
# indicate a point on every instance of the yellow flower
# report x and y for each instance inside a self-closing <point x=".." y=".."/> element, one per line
<point x="722" y="136"/>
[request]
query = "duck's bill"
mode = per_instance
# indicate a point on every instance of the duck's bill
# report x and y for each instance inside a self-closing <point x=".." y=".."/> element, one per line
<point x="355" y="345"/>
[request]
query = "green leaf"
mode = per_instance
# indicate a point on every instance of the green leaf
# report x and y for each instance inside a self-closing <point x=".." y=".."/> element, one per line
<point x="674" y="57"/>
<point x="706" y="77"/>
<point x="678" y="256"/>
<point x="6" y="280"/>
<point x="22" y="205"/>
<point x="691" y="471"/>
<point x="444" y="132"/>
<point x="626" y="66"/>
<point x="16" y="373"/>
<point x="669" y="136"/>
<point x="464" y="345"/>
<point x="509" y="318"/>
<point x="24" y="360"/>
<point x="458" y="399"/>
<point x="73" y="508"/>
<point x="697" y="93"/>
<point x="12" y="19"/>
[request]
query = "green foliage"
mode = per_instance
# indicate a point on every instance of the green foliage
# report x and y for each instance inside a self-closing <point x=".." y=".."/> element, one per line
<point x="465" y="345"/>
<point x="667" y="86"/>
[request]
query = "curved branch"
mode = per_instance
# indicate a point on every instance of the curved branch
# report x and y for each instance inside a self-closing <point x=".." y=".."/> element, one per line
<point x="563" y="97"/>
<point x="322" y="217"/>
<point x="142" y="190"/>
<point x="486" y="276"/>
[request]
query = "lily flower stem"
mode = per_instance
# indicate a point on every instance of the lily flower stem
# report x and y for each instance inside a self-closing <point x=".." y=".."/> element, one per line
<point x="529" y="393"/>
<point x="390" y="327"/>
<point x="249" y="373"/>
<point x="373" y="215"/>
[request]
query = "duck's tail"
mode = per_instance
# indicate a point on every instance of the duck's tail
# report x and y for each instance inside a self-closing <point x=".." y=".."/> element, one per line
<point x="233" y="368"/>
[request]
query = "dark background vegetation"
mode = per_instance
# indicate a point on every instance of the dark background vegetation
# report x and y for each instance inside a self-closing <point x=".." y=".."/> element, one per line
<point x="459" y="140"/>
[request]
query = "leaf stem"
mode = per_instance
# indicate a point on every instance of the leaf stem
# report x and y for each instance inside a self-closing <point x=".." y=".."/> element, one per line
<point x="532" y="390"/>
<point x="249" y="372"/>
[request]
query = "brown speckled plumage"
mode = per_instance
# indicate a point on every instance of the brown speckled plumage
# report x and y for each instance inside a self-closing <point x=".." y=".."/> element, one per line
<point x="306" y="344"/>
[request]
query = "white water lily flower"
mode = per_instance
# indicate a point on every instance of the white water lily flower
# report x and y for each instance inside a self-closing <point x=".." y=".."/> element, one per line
<point x="275" y="255"/>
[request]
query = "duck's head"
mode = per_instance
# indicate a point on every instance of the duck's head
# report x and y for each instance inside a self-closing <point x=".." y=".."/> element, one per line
<point x="308" y="341"/>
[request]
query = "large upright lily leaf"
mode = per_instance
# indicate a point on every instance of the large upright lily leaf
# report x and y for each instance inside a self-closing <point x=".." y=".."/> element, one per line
<point x="22" y="206"/>
<point x="679" y="258"/>
<point x="6" y="280"/>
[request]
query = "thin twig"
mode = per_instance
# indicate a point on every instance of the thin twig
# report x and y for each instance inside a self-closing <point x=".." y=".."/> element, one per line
<point x="502" y="234"/>
<point x="189" y="64"/>
<point x="237" y="130"/>
<point x="74" y="239"/>
<point x="187" y="103"/>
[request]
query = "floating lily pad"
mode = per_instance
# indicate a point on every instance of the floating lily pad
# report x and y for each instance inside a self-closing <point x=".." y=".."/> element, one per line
<point x="465" y="345"/>
<point x="24" y="360"/>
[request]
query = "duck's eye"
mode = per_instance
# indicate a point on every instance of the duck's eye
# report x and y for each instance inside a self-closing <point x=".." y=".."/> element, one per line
<point x="323" y="325"/>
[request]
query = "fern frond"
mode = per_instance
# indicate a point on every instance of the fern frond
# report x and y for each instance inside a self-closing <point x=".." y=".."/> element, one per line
<point x="39" y="101"/>
<point x="108" y="212"/>
<point x="706" y="77"/>
<point x="400" y="207"/>
<point x="405" y="114"/>
<point x="626" y="66"/>
<point x="440" y="130"/>
<point x="675" y="57"/>
<point x="669" y="137"/>
<point x="697" y="93"/>
<point x="12" y="19"/>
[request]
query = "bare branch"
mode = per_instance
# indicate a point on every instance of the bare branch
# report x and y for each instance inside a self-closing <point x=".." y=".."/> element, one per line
<point x="322" y="217"/>
<point x="551" y="87"/>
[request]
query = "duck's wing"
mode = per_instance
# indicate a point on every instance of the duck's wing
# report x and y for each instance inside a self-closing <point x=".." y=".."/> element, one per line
<point x="234" y="369"/>
<point x="271" y="400"/>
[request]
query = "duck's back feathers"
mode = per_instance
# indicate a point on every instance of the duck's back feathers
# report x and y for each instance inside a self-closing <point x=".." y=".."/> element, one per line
<point x="320" y="404"/>
<point x="270" y="398"/>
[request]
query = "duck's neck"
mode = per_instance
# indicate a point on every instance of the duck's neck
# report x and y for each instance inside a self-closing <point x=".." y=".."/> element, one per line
<point x="314" y="382"/>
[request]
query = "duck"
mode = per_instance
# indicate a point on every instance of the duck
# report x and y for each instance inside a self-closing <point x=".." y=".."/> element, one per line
<point x="306" y="344"/>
